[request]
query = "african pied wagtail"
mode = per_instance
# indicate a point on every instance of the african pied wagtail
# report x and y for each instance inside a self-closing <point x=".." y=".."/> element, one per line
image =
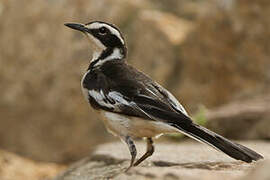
<point x="133" y="105"/>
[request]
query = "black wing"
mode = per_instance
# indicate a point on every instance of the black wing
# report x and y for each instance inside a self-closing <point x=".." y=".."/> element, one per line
<point x="132" y="93"/>
<point x="135" y="94"/>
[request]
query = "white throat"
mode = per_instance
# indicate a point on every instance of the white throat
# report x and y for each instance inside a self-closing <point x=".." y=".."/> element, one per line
<point x="96" y="55"/>
<point x="96" y="46"/>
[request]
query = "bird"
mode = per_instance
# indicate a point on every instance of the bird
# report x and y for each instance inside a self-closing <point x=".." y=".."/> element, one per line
<point x="132" y="105"/>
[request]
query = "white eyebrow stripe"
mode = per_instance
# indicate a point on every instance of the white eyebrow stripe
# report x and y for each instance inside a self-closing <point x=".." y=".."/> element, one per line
<point x="97" y="25"/>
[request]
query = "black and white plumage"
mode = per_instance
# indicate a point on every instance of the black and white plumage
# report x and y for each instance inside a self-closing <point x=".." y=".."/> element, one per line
<point x="132" y="104"/>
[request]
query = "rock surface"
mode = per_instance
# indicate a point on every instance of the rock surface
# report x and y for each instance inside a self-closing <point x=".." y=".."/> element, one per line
<point x="14" y="167"/>
<point x="201" y="54"/>
<point x="261" y="172"/>
<point x="227" y="56"/>
<point x="250" y="119"/>
<point x="171" y="161"/>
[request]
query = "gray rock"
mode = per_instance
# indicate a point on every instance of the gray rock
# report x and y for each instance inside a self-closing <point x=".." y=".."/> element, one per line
<point x="246" y="119"/>
<point x="227" y="57"/>
<point x="261" y="172"/>
<point x="172" y="161"/>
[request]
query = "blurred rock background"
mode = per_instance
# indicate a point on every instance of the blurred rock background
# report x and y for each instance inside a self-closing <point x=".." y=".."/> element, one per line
<point x="206" y="52"/>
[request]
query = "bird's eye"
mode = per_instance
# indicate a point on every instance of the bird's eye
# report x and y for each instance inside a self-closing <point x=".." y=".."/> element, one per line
<point x="102" y="30"/>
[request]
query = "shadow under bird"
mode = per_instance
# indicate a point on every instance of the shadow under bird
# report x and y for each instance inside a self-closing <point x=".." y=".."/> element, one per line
<point x="132" y="105"/>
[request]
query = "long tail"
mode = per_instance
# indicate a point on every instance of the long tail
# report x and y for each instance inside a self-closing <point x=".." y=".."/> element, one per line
<point x="234" y="150"/>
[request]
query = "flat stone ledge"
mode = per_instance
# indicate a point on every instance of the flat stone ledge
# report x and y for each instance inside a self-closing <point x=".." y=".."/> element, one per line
<point x="184" y="160"/>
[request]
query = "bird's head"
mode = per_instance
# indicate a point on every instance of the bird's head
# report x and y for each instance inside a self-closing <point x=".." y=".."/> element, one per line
<point x="106" y="40"/>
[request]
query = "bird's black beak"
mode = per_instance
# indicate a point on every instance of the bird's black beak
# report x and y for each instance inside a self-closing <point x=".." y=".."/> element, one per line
<point x="79" y="27"/>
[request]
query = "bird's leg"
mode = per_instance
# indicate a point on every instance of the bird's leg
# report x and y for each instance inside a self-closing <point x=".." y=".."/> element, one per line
<point x="149" y="151"/>
<point x="132" y="150"/>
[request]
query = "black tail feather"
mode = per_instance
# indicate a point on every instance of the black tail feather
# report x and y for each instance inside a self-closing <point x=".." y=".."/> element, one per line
<point x="230" y="148"/>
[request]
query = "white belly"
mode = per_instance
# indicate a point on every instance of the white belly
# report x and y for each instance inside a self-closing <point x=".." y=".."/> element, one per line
<point x="121" y="125"/>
